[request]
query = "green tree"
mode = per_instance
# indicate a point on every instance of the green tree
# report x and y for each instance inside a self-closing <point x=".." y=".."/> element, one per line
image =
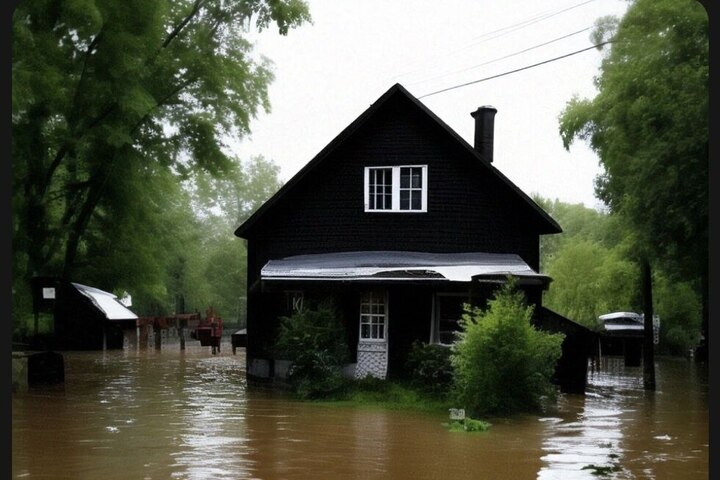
<point x="108" y="93"/>
<point x="649" y="126"/>
<point x="590" y="280"/>
<point x="217" y="275"/>
<point x="680" y="311"/>
<point x="502" y="364"/>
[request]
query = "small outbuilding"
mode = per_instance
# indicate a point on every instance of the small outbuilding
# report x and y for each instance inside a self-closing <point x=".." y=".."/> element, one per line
<point x="84" y="318"/>
<point x="622" y="334"/>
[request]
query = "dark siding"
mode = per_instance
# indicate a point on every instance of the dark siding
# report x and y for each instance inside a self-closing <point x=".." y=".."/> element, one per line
<point x="469" y="209"/>
<point x="409" y="320"/>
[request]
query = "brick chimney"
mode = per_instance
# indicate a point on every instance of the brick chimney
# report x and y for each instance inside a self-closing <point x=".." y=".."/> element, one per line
<point x="484" y="131"/>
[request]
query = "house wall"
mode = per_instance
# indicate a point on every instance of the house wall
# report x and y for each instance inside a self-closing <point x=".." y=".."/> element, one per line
<point x="469" y="208"/>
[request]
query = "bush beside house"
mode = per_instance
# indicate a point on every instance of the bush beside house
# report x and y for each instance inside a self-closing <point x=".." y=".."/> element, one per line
<point x="314" y="341"/>
<point x="501" y="363"/>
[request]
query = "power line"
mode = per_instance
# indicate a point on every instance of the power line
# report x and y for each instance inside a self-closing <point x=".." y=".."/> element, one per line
<point x="525" y="23"/>
<point x="516" y="70"/>
<point x="510" y="28"/>
<point x="503" y="57"/>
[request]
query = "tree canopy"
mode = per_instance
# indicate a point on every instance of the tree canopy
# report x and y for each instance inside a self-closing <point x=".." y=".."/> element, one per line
<point x="106" y="93"/>
<point x="594" y="272"/>
<point x="649" y="127"/>
<point x="118" y="107"/>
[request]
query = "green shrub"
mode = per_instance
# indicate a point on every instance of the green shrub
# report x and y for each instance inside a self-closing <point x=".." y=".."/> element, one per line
<point x="468" y="425"/>
<point x="429" y="368"/>
<point x="502" y="363"/>
<point x="314" y="341"/>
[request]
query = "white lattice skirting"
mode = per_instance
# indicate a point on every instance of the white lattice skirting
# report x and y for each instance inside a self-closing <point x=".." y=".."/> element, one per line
<point x="371" y="360"/>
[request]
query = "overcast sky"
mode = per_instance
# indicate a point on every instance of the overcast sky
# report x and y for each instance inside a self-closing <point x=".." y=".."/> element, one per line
<point x="327" y="73"/>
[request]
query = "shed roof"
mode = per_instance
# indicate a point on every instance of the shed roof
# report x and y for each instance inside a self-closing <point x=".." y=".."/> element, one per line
<point x="551" y="226"/>
<point x="400" y="265"/>
<point x="106" y="302"/>
<point x="616" y="315"/>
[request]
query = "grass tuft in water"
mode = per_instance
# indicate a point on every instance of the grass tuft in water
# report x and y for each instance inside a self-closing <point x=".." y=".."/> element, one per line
<point x="468" y="425"/>
<point x="371" y="392"/>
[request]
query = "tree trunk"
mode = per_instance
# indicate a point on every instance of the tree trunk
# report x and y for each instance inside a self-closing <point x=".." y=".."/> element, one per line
<point x="648" y="345"/>
<point x="702" y="350"/>
<point x="79" y="226"/>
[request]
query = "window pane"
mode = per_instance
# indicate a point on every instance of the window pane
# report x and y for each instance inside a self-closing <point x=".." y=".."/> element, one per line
<point x="416" y="200"/>
<point x="405" y="177"/>
<point x="404" y="199"/>
<point x="374" y="332"/>
<point x="381" y="331"/>
<point x="379" y="188"/>
<point x="417" y="178"/>
<point x="365" y="332"/>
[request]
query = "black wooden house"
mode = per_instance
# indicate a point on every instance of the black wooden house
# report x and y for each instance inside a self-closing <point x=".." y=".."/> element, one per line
<point x="400" y="221"/>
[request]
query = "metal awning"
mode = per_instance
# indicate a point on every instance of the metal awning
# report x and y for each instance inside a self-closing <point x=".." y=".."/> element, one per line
<point x="621" y="315"/>
<point x="629" y="323"/>
<point x="106" y="302"/>
<point x="401" y="266"/>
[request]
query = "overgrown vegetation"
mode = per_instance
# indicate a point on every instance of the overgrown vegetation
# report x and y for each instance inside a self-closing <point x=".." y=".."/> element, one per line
<point x="313" y="339"/>
<point x="429" y="368"/>
<point x="121" y="109"/>
<point x="502" y="363"/>
<point x="654" y="154"/>
<point x="593" y="271"/>
<point x="468" y="425"/>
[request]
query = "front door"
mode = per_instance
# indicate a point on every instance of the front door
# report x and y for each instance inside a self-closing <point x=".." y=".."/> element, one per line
<point x="372" y="350"/>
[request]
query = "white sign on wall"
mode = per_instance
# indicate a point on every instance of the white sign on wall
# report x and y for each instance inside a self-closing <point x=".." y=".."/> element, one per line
<point x="48" y="293"/>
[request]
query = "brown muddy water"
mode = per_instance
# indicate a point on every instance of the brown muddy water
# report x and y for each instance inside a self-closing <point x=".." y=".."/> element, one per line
<point x="146" y="414"/>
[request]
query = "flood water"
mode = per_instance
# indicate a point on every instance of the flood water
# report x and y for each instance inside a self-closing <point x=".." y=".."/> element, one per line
<point x="147" y="414"/>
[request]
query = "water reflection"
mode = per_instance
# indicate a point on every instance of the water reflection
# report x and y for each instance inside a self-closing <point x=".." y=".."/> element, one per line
<point x="621" y="431"/>
<point x="147" y="414"/>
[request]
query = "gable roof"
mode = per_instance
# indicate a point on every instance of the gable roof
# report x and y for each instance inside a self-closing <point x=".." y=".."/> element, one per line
<point x="343" y="136"/>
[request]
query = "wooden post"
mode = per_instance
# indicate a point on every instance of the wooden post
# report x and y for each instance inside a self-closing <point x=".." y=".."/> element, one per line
<point x="142" y="335"/>
<point x="158" y="337"/>
<point x="181" y="333"/>
<point x="648" y="344"/>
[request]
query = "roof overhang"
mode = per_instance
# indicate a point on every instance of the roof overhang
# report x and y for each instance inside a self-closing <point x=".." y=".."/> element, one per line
<point x="617" y="315"/>
<point x="399" y="266"/>
<point x="106" y="302"/>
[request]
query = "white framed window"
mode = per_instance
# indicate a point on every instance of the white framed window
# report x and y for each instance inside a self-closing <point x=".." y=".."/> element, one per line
<point x="373" y="316"/>
<point x="401" y="188"/>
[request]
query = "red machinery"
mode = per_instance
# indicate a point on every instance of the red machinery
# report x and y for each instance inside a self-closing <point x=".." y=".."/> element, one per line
<point x="209" y="330"/>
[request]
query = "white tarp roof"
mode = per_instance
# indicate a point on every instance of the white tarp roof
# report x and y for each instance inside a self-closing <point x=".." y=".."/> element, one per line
<point x="391" y="265"/>
<point x="616" y="315"/>
<point x="622" y="321"/>
<point x="106" y="302"/>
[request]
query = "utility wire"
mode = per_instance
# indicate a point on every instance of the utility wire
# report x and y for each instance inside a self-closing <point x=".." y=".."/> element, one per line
<point x="502" y="31"/>
<point x="516" y="70"/>
<point x="503" y="57"/>
<point x="525" y="23"/>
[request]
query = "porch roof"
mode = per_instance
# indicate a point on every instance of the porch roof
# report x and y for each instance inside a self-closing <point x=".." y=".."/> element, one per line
<point x="401" y="265"/>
